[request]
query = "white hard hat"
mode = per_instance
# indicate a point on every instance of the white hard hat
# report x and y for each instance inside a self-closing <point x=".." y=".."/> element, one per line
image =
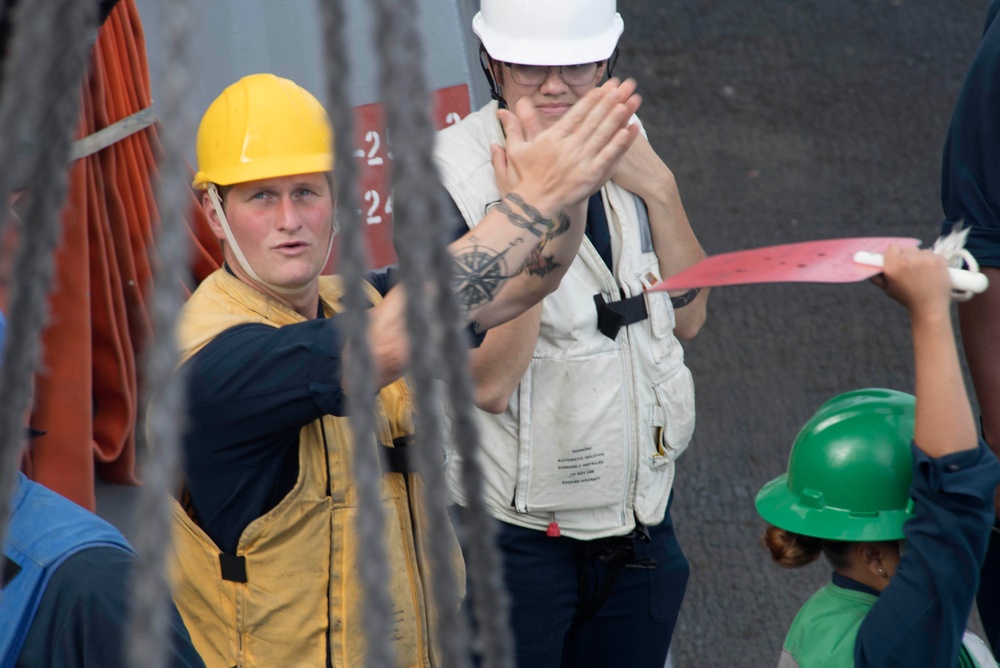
<point x="548" y="32"/>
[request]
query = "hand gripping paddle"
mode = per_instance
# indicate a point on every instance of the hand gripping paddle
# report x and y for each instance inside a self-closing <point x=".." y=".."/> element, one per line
<point x="829" y="261"/>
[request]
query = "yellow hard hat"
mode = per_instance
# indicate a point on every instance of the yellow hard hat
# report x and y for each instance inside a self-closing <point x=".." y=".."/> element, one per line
<point x="261" y="127"/>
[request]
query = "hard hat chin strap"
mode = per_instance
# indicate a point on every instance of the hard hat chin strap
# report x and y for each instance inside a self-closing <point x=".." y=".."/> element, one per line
<point x="241" y="259"/>
<point x="485" y="61"/>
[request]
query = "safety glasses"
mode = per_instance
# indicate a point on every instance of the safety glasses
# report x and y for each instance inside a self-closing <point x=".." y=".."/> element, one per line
<point x="535" y="75"/>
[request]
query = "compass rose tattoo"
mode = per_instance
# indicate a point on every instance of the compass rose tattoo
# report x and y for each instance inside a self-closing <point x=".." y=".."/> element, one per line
<point x="479" y="274"/>
<point x="480" y="271"/>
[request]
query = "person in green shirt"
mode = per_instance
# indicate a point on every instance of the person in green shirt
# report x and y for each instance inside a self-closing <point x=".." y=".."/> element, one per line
<point x="896" y="491"/>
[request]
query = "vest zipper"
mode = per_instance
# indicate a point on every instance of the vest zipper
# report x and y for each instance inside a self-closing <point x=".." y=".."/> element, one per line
<point x="329" y="559"/>
<point x="423" y="631"/>
<point x="326" y="450"/>
<point x="626" y="360"/>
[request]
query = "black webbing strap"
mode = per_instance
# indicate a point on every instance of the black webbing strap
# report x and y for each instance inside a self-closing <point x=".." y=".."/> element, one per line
<point x="10" y="571"/>
<point x="616" y="553"/>
<point x="396" y="458"/>
<point x="612" y="316"/>
<point x="234" y="567"/>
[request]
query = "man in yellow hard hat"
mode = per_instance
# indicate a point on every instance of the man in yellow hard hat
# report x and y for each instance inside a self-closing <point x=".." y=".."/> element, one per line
<point x="586" y="401"/>
<point x="266" y="550"/>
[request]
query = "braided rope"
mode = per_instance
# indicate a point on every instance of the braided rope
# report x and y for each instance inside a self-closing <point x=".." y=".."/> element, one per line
<point x="419" y="222"/>
<point x="376" y="606"/>
<point x="149" y="622"/>
<point x="490" y="602"/>
<point x="420" y="227"/>
<point x="41" y="99"/>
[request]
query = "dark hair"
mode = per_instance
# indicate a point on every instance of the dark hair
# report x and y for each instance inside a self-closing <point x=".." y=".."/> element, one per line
<point x="793" y="550"/>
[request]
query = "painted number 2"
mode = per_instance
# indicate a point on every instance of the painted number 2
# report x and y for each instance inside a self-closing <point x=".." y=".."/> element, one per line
<point x="376" y="142"/>
<point x="374" y="200"/>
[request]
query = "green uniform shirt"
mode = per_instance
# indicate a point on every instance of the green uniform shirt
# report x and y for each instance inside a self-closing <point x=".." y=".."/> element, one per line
<point x="824" y="630"/>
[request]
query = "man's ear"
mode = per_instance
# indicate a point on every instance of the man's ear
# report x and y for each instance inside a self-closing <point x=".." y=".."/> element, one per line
<point x="213" y="216"/>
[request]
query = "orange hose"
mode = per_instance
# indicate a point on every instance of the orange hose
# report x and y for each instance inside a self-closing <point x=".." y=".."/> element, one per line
<point x="88" y="390"/>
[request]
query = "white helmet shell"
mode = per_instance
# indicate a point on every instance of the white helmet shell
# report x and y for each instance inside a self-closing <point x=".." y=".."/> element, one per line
<point x="548" y="32"/>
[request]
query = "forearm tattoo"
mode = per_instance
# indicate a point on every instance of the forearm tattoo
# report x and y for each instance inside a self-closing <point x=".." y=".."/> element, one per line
<point x="480" y="271"/>
<point x="479" y="274"/>
<point x="538" y="264"/>
<point x="532" y="220"/>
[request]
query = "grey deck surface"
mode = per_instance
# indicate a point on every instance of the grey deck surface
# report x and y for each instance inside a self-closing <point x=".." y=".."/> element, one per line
<point x="786" y="121"/>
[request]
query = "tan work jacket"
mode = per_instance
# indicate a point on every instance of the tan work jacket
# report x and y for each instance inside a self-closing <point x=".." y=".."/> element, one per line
<point x="300" y="601"/>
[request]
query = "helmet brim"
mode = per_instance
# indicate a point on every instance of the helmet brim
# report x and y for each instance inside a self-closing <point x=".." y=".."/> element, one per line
<point x="786" y="510"/>
<point x="264" y="169"/>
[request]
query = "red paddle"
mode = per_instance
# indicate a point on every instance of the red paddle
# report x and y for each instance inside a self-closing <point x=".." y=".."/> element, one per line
<point x="829" y="261"/>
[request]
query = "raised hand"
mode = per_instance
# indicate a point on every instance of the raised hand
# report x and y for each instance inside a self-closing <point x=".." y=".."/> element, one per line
<point x="918" y="279"/>
<point x="641" y="169"/>
<point x="567" y="162"/>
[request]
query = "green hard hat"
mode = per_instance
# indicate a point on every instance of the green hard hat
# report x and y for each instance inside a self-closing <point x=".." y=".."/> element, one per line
<point x="849" y="471"/>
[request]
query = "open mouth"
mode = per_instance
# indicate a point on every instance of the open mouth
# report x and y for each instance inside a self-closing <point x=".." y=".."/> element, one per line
<point x="292" y="247"/>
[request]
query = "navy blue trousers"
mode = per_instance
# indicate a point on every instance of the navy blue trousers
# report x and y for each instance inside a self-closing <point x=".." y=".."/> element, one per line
<point x="632" y="627"/>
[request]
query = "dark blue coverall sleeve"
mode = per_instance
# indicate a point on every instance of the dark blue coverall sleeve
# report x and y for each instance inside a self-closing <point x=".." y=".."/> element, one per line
<point x="920" y="617"/>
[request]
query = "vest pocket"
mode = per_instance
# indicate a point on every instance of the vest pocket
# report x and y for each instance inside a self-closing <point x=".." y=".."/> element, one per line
<point x="671" y="424"/>
<point x="661" y="325"/>
<point x="575" y="455"/>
